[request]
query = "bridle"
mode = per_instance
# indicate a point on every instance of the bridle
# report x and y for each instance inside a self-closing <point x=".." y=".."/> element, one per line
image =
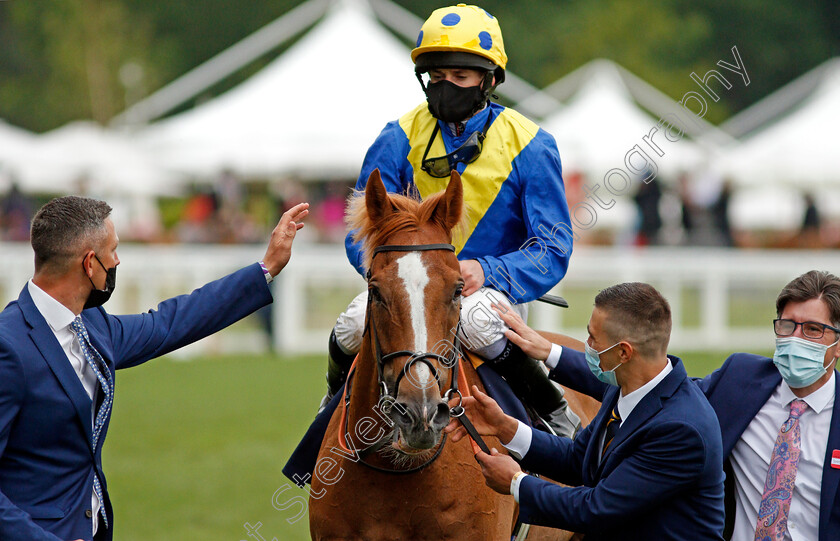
<point x="416" y="357"/>
<point x="387" y="399"/>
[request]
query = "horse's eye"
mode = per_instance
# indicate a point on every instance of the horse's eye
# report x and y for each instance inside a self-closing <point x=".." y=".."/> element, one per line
<point x="457" y="296"/>
<point x="375" y="295"/>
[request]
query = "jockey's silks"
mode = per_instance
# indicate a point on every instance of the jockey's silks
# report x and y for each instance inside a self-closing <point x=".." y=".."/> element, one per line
<point x="517" y="218"/>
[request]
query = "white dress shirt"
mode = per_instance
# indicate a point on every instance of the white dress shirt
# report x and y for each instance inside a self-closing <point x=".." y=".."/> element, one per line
<point x="59" y="318"/>
<point x="521" y="441"/>
<point x="751" y="460"/>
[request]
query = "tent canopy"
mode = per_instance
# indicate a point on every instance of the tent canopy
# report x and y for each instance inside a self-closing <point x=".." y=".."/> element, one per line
<point x="798" y="149"/>
<point x="83" y="157"/>
<point x="601" y="123"/>
<point x="311" y="113"/>
<point x="17" y="148"/>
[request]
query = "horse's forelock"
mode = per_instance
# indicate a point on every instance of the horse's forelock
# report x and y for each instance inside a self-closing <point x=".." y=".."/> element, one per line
<point x="409" y="216"/>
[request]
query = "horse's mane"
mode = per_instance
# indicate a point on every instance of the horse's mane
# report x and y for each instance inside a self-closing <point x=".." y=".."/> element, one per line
<point x="410" y="213"/>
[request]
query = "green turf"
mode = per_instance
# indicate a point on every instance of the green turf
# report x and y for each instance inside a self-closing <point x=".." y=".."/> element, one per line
<point x="700" y="363"/>
<point x="195" y="448"/>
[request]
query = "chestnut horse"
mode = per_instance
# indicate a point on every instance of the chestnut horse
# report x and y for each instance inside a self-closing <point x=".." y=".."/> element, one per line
<point x="385" y="470"/>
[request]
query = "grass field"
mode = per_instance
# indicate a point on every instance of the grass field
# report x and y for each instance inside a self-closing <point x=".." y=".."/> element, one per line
<point x="195" y="448"/>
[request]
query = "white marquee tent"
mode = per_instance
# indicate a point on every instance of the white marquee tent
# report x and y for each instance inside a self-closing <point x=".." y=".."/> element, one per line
<point x="17" y="148"/>
<point x="601" y="122"/>
<point x="798" y="149"/>
<point x="83" y="157"/>
<point x="792" y="153"/>
<point x="312" y="113"/>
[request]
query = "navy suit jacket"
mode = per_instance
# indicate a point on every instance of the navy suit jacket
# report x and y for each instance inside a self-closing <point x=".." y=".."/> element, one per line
<point x="46" y="456"/>
<point x="738" y="390"/>
<point x="661" y="478"/>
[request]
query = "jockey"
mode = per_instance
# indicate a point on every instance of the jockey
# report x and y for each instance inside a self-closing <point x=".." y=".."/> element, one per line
<point x="514" y="248"/>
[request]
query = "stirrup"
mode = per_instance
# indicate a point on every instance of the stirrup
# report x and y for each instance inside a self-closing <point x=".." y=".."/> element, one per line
<point x="325" y="400"/>
<point x="558" y="423"/>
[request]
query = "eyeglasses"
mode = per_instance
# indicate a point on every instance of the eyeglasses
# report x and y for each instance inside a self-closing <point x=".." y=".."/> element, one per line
<point x="810" y="329"/>
<point x="467" y="153"/>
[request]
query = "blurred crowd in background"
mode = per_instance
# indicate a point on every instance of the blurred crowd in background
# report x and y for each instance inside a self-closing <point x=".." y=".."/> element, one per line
<point x="693" y="211"/>
<point x="228" y="211"/>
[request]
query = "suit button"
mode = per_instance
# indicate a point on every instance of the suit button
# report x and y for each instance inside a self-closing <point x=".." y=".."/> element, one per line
<point x="89" y="513"/>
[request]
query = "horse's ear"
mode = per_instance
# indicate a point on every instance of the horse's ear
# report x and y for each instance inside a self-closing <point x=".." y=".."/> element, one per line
<point x="377" y="202"/>
<point x="449" y="208"/>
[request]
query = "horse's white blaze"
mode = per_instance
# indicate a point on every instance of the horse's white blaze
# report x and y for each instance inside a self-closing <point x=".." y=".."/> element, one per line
<point x="412" y="271"/>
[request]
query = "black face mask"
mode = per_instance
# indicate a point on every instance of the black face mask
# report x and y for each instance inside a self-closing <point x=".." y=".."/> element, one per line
<point x="452" y="103"/>
<point x="98" y="297"/>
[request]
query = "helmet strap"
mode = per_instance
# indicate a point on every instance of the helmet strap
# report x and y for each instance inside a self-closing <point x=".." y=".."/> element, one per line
<point x="488" y="87"/>
<point x="420" y="79"/>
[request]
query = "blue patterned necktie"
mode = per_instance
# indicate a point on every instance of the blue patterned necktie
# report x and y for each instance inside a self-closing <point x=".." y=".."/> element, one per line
<point x="97" y="364"/>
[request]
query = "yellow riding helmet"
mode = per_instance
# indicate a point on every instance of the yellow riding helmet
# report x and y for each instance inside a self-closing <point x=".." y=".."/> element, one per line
<point x="460" y="36"/>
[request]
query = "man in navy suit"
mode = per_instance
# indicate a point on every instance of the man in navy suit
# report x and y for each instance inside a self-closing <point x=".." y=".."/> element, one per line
<point x="650" y="464"/>
<point x="58" y="354"/>
<point x="752" y="397"/>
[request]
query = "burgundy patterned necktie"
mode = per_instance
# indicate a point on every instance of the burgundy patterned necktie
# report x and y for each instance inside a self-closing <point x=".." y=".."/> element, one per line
<point x="778" y="487"/>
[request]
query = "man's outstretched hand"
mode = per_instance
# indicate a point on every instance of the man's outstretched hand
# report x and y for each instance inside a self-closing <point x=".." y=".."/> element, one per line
<point x="280" y="244"/>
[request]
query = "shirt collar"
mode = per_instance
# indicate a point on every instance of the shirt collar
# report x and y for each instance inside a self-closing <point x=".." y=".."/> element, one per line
<point x="57" y="315"/>
<point x="470" y="125"/>
<point x="817" y="400"/>
<point x="626" y="404"/>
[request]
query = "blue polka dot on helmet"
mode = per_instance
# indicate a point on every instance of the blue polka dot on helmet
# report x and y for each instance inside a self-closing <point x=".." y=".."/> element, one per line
<point x="451" y="19"/>
<point x="485" y="40"/>
<point x="461" y="36"/>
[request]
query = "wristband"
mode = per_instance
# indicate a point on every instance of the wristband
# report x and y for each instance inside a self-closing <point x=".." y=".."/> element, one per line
<point x="268" y="276"/>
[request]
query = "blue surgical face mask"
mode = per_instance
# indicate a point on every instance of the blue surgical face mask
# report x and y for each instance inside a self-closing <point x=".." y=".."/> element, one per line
<point x="799" y="361"/>
<point x="594" y="360"/>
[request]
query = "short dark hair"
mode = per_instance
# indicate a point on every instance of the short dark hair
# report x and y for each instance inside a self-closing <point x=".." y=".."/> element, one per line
<point x="812" y="285"/>
<point x="638" y="313"/>
<point x="62" y="227"/>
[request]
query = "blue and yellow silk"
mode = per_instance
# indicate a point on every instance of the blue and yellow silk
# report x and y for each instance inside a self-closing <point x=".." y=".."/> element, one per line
<point x="517" y="223"/>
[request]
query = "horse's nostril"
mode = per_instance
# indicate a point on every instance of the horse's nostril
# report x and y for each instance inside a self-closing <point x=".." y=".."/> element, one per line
<point x="440" y="417"/>
<point x="403" y="413"/>
<point x="442" y="411"/>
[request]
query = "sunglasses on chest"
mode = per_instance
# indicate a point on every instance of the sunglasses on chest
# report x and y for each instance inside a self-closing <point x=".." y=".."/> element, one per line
<point x="467" y="153"/>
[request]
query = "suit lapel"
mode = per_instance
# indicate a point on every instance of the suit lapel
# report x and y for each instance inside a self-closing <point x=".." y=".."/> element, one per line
<point x="831" y="476"/>
<point x="44" y="339"/>
<point x="649" y="406"/>
<point x="737" y="406"/>
<point x="592" y="456"/>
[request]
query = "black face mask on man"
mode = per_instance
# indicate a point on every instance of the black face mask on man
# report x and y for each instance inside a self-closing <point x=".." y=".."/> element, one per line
<point x="98" y="297"/>
<point x="452" y="103"/>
